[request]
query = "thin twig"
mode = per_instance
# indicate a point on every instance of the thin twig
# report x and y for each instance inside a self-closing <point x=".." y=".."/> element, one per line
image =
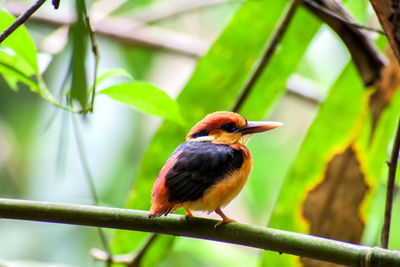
<point x="242" y="234"/>
<point x="19" y="21"/>
<point x="390" y="189"/>
<point x="139" y="255"/>
<point x="268" y="51"/>
<point x="89" y="177"/>
<point x="128" y="31"/>
<point x="328" y="12"/>
<point x="94" y="50"/>
<point x="130" y="260"/>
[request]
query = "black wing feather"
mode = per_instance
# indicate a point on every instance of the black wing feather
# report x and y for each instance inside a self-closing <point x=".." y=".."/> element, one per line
<point x="199" y="166"/>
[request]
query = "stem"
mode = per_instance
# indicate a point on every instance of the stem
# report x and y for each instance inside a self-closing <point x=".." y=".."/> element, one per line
<point x="139" y="256"/>
<point x="94" y="50"/>
<point x="236" y="233"/>
<point x="18" y="22"/>
<point x="390" y="189"/>
<point x="268" y="51"/>
<point x="89" y="178"/>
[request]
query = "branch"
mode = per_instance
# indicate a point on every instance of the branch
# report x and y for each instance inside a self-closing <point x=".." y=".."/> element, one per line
<point x="236" y="233"/>
<point x="268" y="51"/>
<point x="390" y="189"/>
<point x="165" y="9"/>
<point x="18" y="22"/>
<point x="128" y="31"/>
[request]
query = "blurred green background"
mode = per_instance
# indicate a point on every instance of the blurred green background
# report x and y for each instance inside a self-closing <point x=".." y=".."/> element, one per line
<point x="125" y="148"/>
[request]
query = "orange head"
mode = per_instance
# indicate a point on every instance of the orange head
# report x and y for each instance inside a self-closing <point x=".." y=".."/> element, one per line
<point x="223" y="127"/>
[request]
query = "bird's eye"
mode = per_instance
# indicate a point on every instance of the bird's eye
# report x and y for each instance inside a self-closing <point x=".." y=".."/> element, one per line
<point x="229" y="127"/>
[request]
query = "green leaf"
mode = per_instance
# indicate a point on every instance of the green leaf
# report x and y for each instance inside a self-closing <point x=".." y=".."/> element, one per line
<point x="13" y="74"/>
<point x="112" y="73"/>
<point x="19" y="41"/>
<point x="333" y="129"/>
<point x="260" y="192"/>
<point x="12" y="82"/>
<point x="147" y="98"/>
<point x="7" y="57"/>
<point x="12" y="61"/>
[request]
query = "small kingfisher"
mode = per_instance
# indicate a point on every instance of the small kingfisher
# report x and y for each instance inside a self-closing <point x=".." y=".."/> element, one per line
<point x="210" y="169"/>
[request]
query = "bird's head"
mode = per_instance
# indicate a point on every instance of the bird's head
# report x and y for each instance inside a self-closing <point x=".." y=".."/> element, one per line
<point x="223" y="127"/>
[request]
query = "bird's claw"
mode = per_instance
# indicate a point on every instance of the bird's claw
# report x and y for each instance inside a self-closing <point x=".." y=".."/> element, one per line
<point x="188" y="214"/>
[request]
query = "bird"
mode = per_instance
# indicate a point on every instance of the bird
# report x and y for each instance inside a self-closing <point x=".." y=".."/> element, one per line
<point x="210" y="169"/>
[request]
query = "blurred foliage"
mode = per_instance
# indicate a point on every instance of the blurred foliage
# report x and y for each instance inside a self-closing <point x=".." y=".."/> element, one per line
<point x="127" y="148"/>
<point x="218" y="75"/>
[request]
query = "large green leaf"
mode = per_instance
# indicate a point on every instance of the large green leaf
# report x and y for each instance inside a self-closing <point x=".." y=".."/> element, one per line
<point x="261" y="189"/>
<point x="337" y="125"/>
<point x="147" y="98"/>
<point x="213" y="86"/>
<point x="19" y="41"/>
<point x="330" y="132"/>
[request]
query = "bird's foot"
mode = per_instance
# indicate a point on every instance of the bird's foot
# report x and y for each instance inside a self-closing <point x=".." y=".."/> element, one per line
<point x="188" y="214"/>
<point x="225" y="219"/>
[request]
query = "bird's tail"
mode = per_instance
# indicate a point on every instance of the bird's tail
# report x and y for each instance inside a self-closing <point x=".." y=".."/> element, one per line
<point x="158" y="210"/>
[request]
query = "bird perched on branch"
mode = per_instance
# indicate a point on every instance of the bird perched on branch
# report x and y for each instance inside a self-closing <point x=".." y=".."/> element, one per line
<point x="207" y="171"/>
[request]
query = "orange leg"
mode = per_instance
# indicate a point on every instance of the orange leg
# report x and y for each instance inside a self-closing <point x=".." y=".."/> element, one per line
<point x="225" y="219"/>
<point x="188" y="213"/>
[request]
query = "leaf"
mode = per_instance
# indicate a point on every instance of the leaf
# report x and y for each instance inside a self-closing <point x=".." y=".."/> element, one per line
<point x="334" y="127"/>
<point x="19" y="41"/>
<point x="79" y="89"/>
<point x="112" y="73"/>
<point x="260" y="192"/>
<point x="147" y="98"/>
<point x="8" y="57"/>
<point x="12" y="82"/>
<point x="16" y="74"/>
<point x="214" y="85"/>
<point x="13" y="64"/>
<point x="325" y="191"/>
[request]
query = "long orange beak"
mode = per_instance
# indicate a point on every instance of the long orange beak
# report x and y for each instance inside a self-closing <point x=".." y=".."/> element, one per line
<point x="259" y="126"/>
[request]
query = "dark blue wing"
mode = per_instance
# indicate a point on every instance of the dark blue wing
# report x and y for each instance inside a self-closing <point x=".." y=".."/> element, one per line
<point x="199" y="166"/>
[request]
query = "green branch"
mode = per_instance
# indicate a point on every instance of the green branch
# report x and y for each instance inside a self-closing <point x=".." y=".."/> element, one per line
<point x="236" y="233"/>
